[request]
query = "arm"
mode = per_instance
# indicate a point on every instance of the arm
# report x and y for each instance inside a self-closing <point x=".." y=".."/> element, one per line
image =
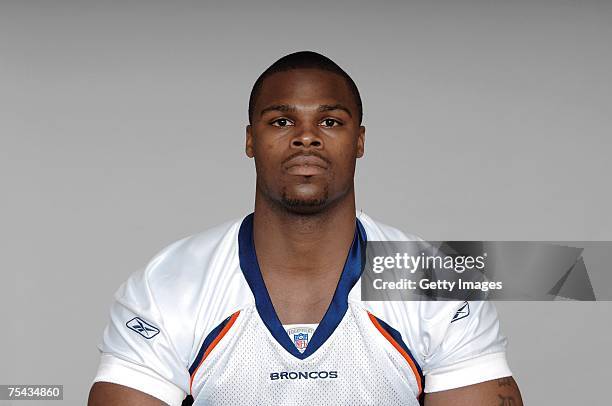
<point x="499" y="392"/>
<point x="139" y="351"/>
<point x="466" y="363"/>
<point x="105" y="393"/>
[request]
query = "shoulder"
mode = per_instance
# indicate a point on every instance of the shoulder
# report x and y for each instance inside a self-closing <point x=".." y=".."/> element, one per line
<point x="422" y="324"/>
<point x="377" y="231"/>
<point x="198" y="272"/>
<point x="438" y="332"/>
<point x="193" y="259"/>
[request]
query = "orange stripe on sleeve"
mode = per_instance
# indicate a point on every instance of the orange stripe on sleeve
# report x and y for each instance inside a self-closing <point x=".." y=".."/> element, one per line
<point x="214" y="344"/>
<point x="399" y="348"/>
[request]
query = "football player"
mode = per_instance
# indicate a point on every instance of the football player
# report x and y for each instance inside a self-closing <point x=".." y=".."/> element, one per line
<point x="267" y="309"/>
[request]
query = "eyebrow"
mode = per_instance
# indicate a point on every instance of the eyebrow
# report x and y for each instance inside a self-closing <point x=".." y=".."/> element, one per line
<point x="331" y="107"/>
<point x="287" y="108"/>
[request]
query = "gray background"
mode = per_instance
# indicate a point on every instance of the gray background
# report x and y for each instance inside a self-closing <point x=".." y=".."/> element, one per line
<point x="122" y="130"/>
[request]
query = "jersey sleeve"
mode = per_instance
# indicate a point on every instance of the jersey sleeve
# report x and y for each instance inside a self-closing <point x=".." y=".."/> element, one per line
<point x="137" y="349"/>
<point x="468" y="349"/>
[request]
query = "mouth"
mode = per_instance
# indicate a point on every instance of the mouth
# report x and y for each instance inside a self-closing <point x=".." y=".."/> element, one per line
<point x="306" y="165"/>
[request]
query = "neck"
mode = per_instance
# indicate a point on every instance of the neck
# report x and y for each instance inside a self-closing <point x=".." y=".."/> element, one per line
<point x="296" y="245"/>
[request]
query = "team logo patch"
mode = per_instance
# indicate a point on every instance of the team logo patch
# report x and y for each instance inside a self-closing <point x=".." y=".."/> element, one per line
<point x="463" y="312"/>
<point x="300" y="336"/>
<point x="143" y="328"/>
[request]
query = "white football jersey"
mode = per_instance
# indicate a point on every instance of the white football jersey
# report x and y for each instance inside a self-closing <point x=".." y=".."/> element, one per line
<point x="197" y="324"/>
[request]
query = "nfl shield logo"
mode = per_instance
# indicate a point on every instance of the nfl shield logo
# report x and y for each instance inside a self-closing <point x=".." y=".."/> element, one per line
<point x="300" y="334"/>
<point x="301" y="341"/>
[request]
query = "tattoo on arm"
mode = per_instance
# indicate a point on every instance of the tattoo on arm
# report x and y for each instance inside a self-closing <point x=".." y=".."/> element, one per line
<point x="504" y="399"/>
<point x="496" y="392"/>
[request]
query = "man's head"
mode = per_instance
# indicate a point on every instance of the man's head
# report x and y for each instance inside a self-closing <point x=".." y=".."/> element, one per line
<point x="305" y="133"/>
<point x="304" y="60"/>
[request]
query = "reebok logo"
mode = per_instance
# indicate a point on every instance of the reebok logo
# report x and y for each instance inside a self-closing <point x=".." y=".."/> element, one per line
<point x="143" y="328"/>
<point x="463" y="312"/>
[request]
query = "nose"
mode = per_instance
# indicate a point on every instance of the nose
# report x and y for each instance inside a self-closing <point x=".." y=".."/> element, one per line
<point x="307" y="137"/>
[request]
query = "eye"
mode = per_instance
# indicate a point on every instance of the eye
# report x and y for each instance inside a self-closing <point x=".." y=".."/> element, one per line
<point x="330" y="122"/>
<point x="281" y="122"/>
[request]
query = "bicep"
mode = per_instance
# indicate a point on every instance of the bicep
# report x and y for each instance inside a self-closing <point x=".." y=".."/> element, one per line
<point x="106" y="393"/>
<point x="503" y="392"/>
<point x="138" y="350"/>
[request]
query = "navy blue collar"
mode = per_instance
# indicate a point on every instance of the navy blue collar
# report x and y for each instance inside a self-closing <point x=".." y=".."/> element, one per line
<point x="351" y="273"/>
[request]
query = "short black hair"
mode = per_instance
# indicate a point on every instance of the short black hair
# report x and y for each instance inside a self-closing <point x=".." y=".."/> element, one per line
<point x="304" y="60"/>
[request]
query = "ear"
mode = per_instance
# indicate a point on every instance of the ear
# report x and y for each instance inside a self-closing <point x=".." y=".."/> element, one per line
<point x="361" y="142"/>
<point x="249" y="142"/>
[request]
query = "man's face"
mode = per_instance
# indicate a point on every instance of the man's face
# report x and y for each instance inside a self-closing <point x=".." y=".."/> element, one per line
<point x="305" y="137"/>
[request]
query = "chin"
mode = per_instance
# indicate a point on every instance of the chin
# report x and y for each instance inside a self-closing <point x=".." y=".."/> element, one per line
<point x="305" y="203"/>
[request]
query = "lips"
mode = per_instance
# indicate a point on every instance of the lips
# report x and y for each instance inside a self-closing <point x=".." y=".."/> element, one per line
<point x="306" y="165"/>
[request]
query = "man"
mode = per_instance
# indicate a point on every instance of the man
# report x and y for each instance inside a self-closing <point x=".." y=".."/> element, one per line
<point x="267" y="310"/>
